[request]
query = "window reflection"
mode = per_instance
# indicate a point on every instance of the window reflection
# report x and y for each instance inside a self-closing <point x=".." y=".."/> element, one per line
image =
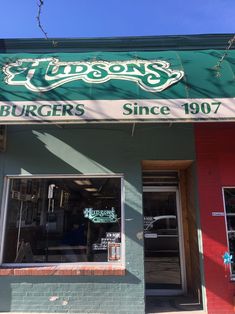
<point x="62" y="220"/>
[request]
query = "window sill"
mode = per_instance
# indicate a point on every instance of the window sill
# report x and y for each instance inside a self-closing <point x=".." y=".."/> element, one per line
<point x="80" y="270"/>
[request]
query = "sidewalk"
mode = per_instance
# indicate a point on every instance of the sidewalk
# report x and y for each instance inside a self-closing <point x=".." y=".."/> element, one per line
<point x="173" y="305"/>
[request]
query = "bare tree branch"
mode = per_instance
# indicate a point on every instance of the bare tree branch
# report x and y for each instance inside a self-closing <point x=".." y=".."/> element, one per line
<point x="220" y="61"/>
<point x="38" y="17"/>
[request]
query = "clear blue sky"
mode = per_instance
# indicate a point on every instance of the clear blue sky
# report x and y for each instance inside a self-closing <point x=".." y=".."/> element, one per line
<point x="109" y="18"/>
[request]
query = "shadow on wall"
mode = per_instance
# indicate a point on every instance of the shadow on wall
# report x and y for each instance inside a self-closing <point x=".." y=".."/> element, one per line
<point x="42" y="152"/>
<point x="104" y="154"/>
<point x="93" y="150"/>
<point x="46" y="152"/>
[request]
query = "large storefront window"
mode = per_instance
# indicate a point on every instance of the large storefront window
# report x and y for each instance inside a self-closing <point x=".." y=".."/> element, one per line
<point x="63" y="220"/>
<point x="229" y="200"/>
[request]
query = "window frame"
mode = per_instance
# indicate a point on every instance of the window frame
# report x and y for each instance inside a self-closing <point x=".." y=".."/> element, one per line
<point x="3" y="221"/>
<point x="232" y="276"/>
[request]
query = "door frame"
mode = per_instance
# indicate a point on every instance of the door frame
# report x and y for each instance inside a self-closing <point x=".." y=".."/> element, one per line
<point x="183" y="290"/>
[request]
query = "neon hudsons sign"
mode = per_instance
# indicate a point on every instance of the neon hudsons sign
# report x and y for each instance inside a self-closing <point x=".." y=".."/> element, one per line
<point x="100" y="216"/>
<point x="45" y="74"/>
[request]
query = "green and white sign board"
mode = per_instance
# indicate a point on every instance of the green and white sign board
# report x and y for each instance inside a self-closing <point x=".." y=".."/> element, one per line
<point x="122" y="86"/>
<point x="101" y="216"/>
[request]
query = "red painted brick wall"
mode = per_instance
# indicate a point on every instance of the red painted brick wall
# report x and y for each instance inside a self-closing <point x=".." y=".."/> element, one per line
<point x="215" y="161"/>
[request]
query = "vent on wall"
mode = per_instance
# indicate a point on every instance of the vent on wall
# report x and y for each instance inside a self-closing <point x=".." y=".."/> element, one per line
<point x="160" y="178"/>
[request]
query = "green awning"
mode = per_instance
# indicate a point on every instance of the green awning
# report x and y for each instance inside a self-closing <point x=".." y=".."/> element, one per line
<point x="201" y="79"/>
<point x="152" y="78"/>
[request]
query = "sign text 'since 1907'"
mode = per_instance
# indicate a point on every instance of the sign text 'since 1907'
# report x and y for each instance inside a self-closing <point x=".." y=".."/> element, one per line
<point x="118" y="110"/>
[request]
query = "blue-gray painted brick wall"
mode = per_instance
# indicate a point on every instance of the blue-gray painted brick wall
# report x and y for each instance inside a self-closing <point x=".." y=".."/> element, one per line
<point x="90" y="149"/>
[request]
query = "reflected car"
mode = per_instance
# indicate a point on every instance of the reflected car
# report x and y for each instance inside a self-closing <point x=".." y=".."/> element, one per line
<point x="161" y="235"/>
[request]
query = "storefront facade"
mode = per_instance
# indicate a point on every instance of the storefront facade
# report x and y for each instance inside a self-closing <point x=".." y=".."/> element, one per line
<point x="114" y="185"/>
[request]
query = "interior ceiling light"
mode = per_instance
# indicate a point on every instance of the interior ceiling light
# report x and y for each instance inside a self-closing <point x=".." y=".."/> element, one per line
<point x="82" y="182"/>
<point x="91" y="189"/>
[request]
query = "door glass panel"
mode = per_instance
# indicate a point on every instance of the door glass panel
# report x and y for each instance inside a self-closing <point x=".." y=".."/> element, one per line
<point x="161" y="239"/>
